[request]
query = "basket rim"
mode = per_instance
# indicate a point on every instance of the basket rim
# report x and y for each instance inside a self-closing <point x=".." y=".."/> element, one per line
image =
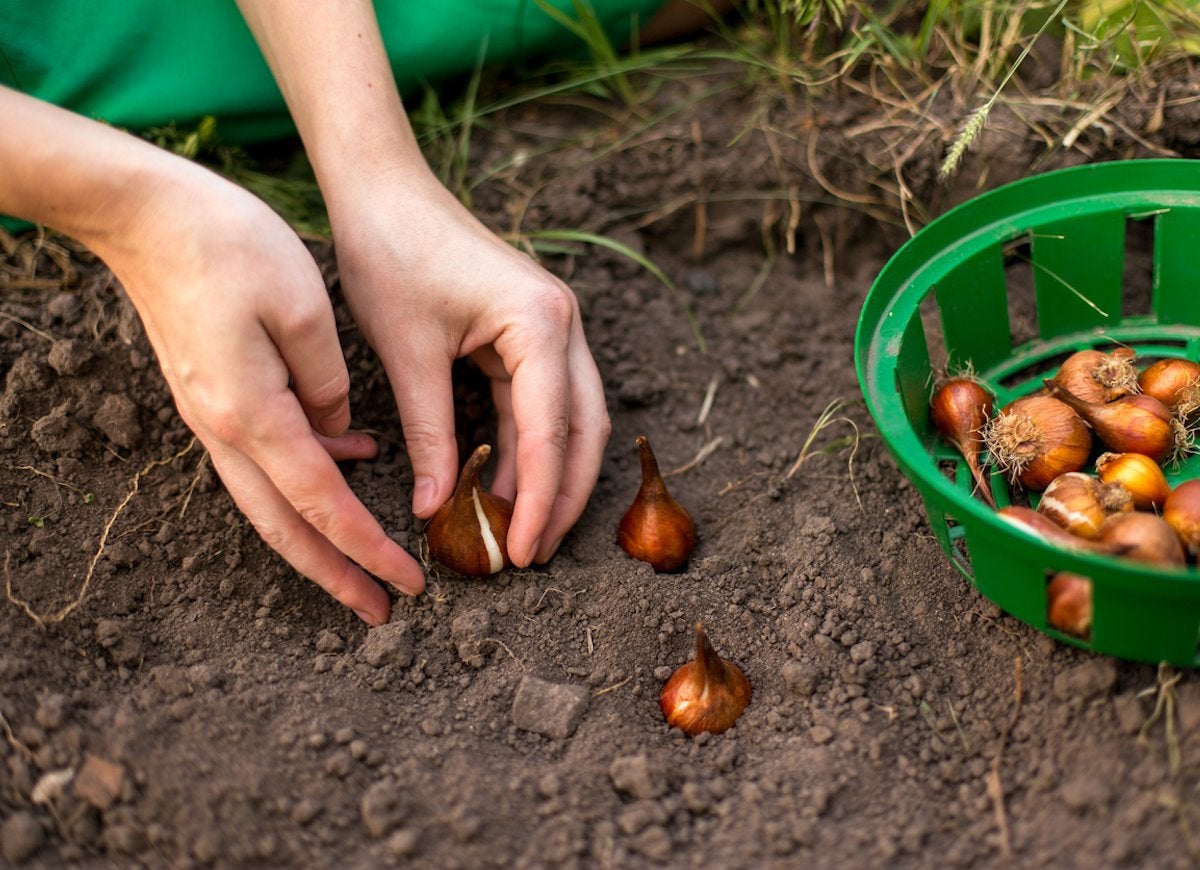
<point x="1001" y="215"/>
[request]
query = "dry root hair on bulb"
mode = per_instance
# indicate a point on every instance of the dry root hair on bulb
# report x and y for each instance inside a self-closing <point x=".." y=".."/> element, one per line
<point x="1035" y="439"/>
<point x="469" y="533"/>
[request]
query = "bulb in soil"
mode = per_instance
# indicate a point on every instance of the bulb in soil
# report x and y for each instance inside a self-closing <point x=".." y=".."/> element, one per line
<point x="656" y="528"/>
<point x="706" y="694"/>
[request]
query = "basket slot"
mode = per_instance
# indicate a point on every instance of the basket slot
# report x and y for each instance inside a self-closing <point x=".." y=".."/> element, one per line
<point x="914" y="377"/>
<point x="1077" y="268"/>
<point x="1176" y="266"/>
<point x="972" y="299"/>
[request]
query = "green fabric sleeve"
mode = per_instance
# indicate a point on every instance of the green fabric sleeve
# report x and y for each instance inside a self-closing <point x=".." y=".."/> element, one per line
<point x="142" y="63"/>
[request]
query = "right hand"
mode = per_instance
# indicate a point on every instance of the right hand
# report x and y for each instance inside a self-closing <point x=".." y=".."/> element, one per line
<point x="239" y="316"/>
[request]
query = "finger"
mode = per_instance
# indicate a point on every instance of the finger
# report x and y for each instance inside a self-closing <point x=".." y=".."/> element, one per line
<point x="424" y="395"/>
<point x="306" y="476"/>
<point x="587" y="436"/>
<point x="305" y="334"/>
<point x="540" y="391"/>
<point x="296" y="541"/>
<point x="349" y="446"/>
<point x="504" y="483"/>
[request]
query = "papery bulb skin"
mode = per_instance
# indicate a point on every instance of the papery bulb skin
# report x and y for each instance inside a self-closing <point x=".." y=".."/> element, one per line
<point x="1182" y="512"/>
<point x="1144" y="537"/>
<point x="1130" y="424"/>
<point x="656" y="528"/>
<point x="1034" y="439"/>
<point x="706" y="694"/>
<point x="1080" y="503"/>
<point x="960" y="409"/>
<point x="1096" y="376"/>
<point x="469" y="533"/>
<point x="1175" y="383"/>
<point x="1139" y="474"/>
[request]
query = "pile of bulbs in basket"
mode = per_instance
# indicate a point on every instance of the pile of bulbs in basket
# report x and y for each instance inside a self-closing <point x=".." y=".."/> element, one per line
<point x="1139" y="420"/>
<point x="468" y="534"/>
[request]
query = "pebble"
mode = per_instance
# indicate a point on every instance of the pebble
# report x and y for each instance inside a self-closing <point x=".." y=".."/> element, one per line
<point x="550" y="709"/>
<point x="21" y="836"/>
<point x="800" y="677"/>
<point x="471" y="632"/>
<point x="383" y="808"/>
<point x="820" y="734"/>
<point x="404" y="842"/>
<point x="389" y="644"/>
<point x="330" y="642"/>
<point x="863" y="651"/>
<point x="635" y="776"/>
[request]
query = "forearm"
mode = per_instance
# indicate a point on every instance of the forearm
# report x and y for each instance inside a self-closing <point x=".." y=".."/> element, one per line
<point x="76" y="175"/>
<point x="330" y="63"/>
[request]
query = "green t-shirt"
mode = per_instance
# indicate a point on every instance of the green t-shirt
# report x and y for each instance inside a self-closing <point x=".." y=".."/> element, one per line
<point x="142" y="63"/>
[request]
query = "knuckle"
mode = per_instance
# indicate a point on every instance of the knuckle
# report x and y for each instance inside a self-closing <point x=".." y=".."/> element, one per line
<point x="557" y="305"/>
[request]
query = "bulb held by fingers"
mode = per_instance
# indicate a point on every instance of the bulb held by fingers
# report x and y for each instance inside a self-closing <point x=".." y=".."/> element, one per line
<point x="469" y="533"/>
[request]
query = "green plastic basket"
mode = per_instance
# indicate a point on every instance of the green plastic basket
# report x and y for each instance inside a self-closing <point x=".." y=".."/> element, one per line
<point x="1010" y="283"/>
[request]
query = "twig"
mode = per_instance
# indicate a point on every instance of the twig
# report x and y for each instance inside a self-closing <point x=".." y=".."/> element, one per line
<point x="709" y="396"/>
<point x="612" y="688"/>
<point x="705" y="451"/>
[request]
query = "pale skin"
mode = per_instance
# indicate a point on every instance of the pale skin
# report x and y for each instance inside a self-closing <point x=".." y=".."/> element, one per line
<point x="238" y="314"/>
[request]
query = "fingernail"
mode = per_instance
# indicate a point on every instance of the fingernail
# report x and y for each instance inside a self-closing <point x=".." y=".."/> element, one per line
<point x="368" y="618"/>
<point x="423" y="493"/>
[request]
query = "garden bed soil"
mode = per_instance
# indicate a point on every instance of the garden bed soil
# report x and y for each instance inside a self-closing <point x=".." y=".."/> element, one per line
<point x="174" y="695"/>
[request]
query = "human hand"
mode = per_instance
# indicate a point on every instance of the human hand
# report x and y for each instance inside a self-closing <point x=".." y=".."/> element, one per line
<point x="427" y="284"/>
<point x="238" y="314"/>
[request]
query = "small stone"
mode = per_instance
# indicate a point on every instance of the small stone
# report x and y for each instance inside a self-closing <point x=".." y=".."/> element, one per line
<point x="99" y="782"/>
<point x="471" y="632"/>
<point x="21" y="836"/>
<point x="635" y="776"/>
<point x="330" y="642"/>
<point x="404" y="842"/>
<point x="305" y="811"/>
<point x="800" y="678"/>
<point x="389" y="644"/>
<point x="862" y="651"/>
<point x="69" y="356"/>
<point x="820" y="734"/>
<point x="117" y="418"/>
<point x="383" y="808"/>
<point x="550" y="709"/>
<point x="51" y="711"/>
<point x="654" y="843"/>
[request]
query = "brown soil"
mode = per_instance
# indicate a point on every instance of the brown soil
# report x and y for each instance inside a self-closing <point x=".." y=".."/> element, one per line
<point x="217" y="709"/>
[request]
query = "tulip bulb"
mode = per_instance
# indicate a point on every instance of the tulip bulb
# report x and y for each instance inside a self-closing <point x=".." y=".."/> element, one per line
<point x="1069" y="604"/>
<point x="656" y="528"/>
<point x="1139" y="474"/>
<point x="1041" y="526"/>
<point x="1144" y="537"/>
<point x="1080" y="503"/>
<point x="706" y="694"/>
<point x="960" y="409"/>
<point x="1095" y="376"/>
<point x="1174" y="382"/>
<point x="1131" y="424"/>
<point x="1182" y="512"/>
<point x="1035" y="439"/>
<point x="469" y="533"/>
